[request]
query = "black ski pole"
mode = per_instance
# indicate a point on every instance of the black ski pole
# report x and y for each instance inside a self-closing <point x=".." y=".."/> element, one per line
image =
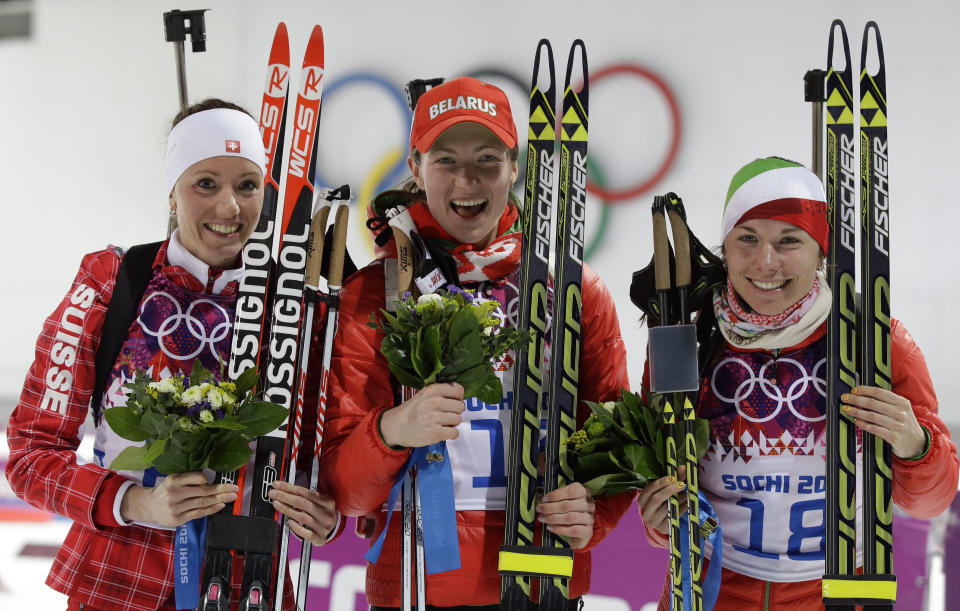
<point x="177" y="25"/>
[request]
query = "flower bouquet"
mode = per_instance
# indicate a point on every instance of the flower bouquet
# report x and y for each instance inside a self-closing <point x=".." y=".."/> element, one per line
<point x="191" y="423"/>
<point x="622" y="443"/>
<point x="448" y="336"/>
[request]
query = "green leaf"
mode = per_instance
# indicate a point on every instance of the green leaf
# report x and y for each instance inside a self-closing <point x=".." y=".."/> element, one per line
<point x="632" y="454"/>
<point x="156" y="425"/>
<point x="199" y="374"/>
<point x="430" y="353"/>
<point x="472" y="380"/>
<point x="396" y="348"/>
<point x="125" y="422"/>
<point x="133" y="458"/>
<point x="594" y="465"/>
<point x="465" y="353"/>
<point x="492" y="390"/>
<point x="227" y="424"/>
<point x="231" y="453"/>
<point x="156" y="449"/>
<point x="191" y="442"/>
<point x="246" y="381"/>
<point x="623" y="414"/>
<point x="462" y="324"/>
<point x="613" y="483"/>
<point x="172" y="460"/>
<point x="405" y="377"/>
<point x="261" y="417"/>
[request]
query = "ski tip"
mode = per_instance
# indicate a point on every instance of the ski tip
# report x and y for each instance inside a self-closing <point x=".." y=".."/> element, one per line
<point x="838" y="23"/>
<point x="280" y="50"/>
<point x="314" y="54"/>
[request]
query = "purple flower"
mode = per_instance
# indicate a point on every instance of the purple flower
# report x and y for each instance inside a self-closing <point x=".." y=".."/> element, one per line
<point x="193" y="411"/>
<point x="220" y="414"/>
<point x="456" y="290"/>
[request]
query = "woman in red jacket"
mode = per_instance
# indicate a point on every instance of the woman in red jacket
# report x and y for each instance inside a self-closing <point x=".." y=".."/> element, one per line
<point x="119" y="552"/>
<point x="463" y="151"/>
<point x="763" y="391"/>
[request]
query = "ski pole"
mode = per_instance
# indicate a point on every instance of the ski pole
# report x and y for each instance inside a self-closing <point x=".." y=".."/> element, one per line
<point x="311" y="295"/>
<point x="814" y="91"/>
<point x="311" y="288"/>
<point x="176" y="29"/>
<point x="681" y="242"/>
<point x="661" y="257"/>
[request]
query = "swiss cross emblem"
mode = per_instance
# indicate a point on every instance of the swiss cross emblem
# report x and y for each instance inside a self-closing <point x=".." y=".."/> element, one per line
<point x="233" y="146"/>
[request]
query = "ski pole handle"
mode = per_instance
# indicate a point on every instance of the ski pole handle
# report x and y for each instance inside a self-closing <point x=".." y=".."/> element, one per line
<point x="318" y="231"/>
<point x="339" y="246"/>
<point x="661" y="256"/>
<point x="681" y="244"/>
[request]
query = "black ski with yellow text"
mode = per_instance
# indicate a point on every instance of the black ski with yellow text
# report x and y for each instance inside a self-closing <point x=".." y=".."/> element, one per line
<point x="876" y="351"/>
<point x="567" y="305"/>
<point x="841" y="467"/>
<point x="529" y="379"/>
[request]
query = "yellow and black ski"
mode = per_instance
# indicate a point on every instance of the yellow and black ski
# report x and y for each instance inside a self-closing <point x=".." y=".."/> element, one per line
<point x="875" y="355"/>
<point x="841" y="187"/>
<point x="567" y="304"/>
<point x="858" y="343"/>
<point x="521" y="560"/>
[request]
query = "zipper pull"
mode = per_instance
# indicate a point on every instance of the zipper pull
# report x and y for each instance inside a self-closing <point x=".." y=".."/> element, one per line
<point x="775" y="369"/>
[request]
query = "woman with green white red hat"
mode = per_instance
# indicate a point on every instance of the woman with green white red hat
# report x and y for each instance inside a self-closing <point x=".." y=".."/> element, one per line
<point x="763" y="392"/>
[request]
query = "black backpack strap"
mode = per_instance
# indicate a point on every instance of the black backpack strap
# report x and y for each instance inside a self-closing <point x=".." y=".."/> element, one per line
<point x="132" y="278"/>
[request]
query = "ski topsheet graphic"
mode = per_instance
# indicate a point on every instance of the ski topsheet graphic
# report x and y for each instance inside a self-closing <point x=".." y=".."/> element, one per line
<point x="250" y="324"/>
<point x="256" y="535"/>
<point x="521" y="560"/>
<point x="859" y="345"/>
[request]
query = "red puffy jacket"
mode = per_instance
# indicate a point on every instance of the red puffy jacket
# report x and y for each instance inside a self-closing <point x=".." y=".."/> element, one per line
<point x="359" y="469"/>
<point x="923" y="488"/>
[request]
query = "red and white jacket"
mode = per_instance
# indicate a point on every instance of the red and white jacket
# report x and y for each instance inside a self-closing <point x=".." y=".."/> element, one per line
<point x="104" y="562"/>
<point x="764" y="456"/>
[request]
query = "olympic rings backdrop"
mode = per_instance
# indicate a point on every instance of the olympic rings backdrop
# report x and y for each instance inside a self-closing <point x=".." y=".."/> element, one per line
<point x="390" y="168"/>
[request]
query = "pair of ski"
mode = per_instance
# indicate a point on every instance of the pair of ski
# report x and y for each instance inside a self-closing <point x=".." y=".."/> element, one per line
<point x="674" y="373"/>
<point x="537" y="394"/>
<point x="857" y="344"/>
<point x="267" y="334"/>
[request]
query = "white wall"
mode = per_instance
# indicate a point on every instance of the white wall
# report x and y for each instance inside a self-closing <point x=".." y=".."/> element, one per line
<point x="88" y="99"/>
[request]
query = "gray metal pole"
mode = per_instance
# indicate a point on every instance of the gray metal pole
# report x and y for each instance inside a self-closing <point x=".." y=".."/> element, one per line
<point x="815" y="92"/>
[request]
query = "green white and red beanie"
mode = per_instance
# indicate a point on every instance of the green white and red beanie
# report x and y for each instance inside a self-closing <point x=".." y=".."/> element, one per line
<point x="774" y="188"/>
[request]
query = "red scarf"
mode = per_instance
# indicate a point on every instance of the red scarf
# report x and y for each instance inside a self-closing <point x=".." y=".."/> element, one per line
<point x="493" y="262"/>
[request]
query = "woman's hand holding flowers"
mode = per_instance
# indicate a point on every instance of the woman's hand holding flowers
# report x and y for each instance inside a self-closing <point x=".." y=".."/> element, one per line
<point x="430" y="416"/>
<point x="176" y="500"/>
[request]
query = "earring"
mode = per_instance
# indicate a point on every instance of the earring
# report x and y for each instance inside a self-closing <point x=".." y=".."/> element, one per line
<point x="820" y="266"/>
<point x="173" y="213"/>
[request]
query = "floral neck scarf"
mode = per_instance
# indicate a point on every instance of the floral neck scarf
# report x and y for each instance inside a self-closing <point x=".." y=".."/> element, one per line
<point x="742" y="327"/>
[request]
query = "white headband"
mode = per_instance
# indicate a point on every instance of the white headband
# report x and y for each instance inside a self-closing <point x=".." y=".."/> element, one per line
<point x="213" y="133"/>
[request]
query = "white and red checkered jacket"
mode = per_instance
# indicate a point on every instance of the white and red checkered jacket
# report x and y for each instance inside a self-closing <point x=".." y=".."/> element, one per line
<point x="103" y="562"/>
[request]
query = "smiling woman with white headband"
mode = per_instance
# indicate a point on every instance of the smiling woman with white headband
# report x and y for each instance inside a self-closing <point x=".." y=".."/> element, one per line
<point x="119" y="552"/>
<point x="763" y="349"/>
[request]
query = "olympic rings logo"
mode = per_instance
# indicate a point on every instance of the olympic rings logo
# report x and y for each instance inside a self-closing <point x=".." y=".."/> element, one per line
<point x="193" y="325"/>
<point x="747" y="387"/>
<point x="391" y="167"/>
